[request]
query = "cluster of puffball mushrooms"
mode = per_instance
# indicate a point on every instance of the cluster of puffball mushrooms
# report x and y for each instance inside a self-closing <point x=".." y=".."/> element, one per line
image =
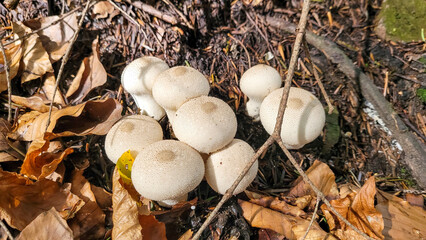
<point x="205" y="126"/>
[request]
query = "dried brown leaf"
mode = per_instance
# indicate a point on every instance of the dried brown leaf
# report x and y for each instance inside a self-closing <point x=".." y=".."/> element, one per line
<point x="125" y="212"/>
<point x="92" y="117"/>
<point x="359" y="210"/>
<point x="267" y="234"/>
<point x="53" y="227"/>
<point x="152" y="228"/>
<point x="56" y="38"/>
<point x="102" y="9"/>
<point x="39" y="161"/>
<point x="289" y="226"/>
<point x="401" y="220"/>
<point x="35" y="60"/>
<point x="415" y="200"/>
<point x="89" y="222"/>
<point x="7" y="153"/>
<point x="103" y="198"/>
<point x="35" y="103"/>
<point x="13" y="55"/>
<point x="279" y="205"/>
<point x="49" y="87"/>
<point x="322" y="177"/>
<point x="22" y="200"/>
<point x="91" y="74"/>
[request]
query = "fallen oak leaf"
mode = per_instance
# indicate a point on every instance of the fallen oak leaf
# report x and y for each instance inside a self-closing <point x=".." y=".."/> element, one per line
<point x="54" y="227"/>
<point x="89" y="222"/>
<point x="91" y="117"/>
<point x="125" y="212"/>
<point x="22" y="200"/>
<point x="359" y="210"/>
<point x="35" y="61"/>
<point x="56" y="38"/>
<point x="91" y="74"/>
<point x="39" y="162"/>
<point x="322" y="177"/>
<point x="289" y="226"/>
<point x="102" y="9"/>
<point x="152" y="228"/>
<point x="35" y="103"/>
<point x="8" y="151"/>
<point x="48" y="89"/>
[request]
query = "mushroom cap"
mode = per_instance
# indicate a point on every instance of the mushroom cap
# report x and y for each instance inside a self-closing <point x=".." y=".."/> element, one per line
<point x="260" y="80"/>
<point x="224" y="166"/>
<point x="133" y="132"/>
<point x="175" y="86"/>
<point x="205" y="123"/>
<point x="304" y="116"/>
<point x="139" y="75"/>
<point x="167" y="170"/>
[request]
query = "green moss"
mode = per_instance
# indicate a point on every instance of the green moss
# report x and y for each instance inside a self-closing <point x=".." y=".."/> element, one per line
<point x="404" y="19"/>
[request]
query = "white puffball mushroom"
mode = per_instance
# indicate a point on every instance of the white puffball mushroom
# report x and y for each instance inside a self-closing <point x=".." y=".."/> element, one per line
<point x="175" y="86"/>
<point x="171" y="202"/>
<point x="132" y="133"/>
<point x="167" y="170"/>
<point x="205" y="123"/>
<point x="256" y="83"/>
<point x="224" y="166"/>
<point x="138" y="78"/>
<point x="304" y="116"/>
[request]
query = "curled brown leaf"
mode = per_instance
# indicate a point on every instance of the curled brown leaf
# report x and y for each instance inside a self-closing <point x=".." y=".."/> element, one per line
<point x="92" y="117"/>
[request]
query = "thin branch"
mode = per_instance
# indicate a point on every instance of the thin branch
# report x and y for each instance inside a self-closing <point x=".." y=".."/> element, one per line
<point x="9" y="88"/>
<point x="154" y="12"/>
<point x="321" y="86"/>
<point x="312" y="220"/>
<point x="188" y="24"/>
<point x="4" y="227"/>
<point x="65" y="59"/>
<point x="43" y="28"/>
<point x="228" y="194"/>
<point x="277" y="130"/>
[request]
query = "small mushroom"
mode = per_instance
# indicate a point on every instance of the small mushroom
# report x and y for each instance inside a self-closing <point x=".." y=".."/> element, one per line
<point x="175" y="86"/>
<point x="132" y="133"/>
<point x="224" y="166"/>
<point x="304" y="116"/>
<point x="167" y="170"/>
<point x="137" y="79"/>
<point x="257" y="82"/>
<point x="205" y="123"/>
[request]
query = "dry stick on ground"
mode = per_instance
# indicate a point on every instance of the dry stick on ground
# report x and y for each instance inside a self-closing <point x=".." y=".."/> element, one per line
<point x="65" y="60"/>
<point x="9" y="90"/>
<point x="48" y="26"/>
<point x="313" y="219"/>
<point x="154" y="12"/>
<point x="324" y="93"/>
<point x="188" y="24"/>
<point x="4" y="227"/>
<point x="244" y="47"/>
<point x="414" y="150"/>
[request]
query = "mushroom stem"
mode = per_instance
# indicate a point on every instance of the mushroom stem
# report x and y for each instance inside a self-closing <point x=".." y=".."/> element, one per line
<point x="253" y="108"/>
<point x="171" y="202"/>
<point x="149" y="106"/>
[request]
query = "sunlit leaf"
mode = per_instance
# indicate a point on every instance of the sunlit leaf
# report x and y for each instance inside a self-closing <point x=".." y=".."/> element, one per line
<point x="13" y="54"/>
<point x="92" y="117"/>
<point x="91" y="74"/>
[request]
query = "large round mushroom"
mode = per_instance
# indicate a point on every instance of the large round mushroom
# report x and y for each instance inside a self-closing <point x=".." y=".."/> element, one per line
<point x="224" y="166"/>
<point x="133" y="133"/>
<point x="304" y="116"/>
<point x="167" y="170"/>
<point x="175" y="86"/>
<point x="138" y="78"/>
<point x="205" y="123"/>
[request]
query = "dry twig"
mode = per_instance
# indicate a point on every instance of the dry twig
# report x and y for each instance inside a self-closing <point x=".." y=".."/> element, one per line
<point x="321" y="86"/>
<point x="9" y="89"/>
<point x="188" y="24"/>
<point x="65" y="60"/>
<point x="312" y="220"/>
<point x="154" y="12"/>
<point x="4" y="227"/>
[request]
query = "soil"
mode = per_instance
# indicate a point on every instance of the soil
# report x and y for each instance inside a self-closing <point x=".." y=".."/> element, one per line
<point x="227" y="39"/>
